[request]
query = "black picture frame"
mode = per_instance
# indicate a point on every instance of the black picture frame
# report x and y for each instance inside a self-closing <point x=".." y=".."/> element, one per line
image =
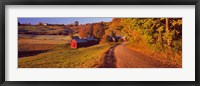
<point x="99" y="2"/>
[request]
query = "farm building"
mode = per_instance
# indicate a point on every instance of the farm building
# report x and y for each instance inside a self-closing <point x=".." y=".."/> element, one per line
<point x="118" y="38"/>
<point x="91" y="41"/>
<point x="76" y="42"/>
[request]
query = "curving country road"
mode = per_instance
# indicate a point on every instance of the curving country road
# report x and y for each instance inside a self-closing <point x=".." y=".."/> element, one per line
<point x="123" y="57"/>
<point x="127" y="58"/>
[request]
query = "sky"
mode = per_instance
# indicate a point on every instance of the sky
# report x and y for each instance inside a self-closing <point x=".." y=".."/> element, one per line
<point x="81" y="20"/>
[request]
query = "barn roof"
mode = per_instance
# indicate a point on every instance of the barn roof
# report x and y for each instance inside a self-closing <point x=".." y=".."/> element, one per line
<point x="81" y="40"/>
<point x="90" y="38"/>
<point x="75" y="37"/>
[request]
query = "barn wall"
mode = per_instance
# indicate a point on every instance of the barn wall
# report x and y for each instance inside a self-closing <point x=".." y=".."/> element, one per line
<point x="72" y="44"/>
<point x="79" y="45"/>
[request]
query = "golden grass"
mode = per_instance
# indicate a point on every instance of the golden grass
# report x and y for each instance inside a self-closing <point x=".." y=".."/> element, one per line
<point x="169" y="57"/>
<point x="28" y="42"/>
<point x="64" y="57"/>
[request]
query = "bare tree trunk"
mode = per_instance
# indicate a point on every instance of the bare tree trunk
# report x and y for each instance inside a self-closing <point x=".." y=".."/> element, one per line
<point x="167" y="32"/>
<point x="160" y="38"/>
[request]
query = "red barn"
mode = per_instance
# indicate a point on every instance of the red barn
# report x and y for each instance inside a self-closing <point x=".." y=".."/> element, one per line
<point x="76" y="43"/>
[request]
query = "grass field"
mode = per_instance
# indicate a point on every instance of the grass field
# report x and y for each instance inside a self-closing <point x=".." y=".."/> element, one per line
<point x="43" y="38"/>
<point x="37" y="29"/>
<point x="40" y="42"/>
<point x="62" y="56"/>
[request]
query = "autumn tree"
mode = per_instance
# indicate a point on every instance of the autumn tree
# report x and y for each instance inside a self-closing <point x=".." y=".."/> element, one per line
<point x="40" y="23"/>
<point x="158" y="32"/>
<point x="105" y="38"/>
<point x="76" y="23"/>
<point x="99" y="30"/>
<point x="86" y="31"/>
<point x="115" y="22"/>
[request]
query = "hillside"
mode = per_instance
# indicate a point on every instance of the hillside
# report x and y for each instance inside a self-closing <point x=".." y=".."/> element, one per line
<point x="62" y="56"/>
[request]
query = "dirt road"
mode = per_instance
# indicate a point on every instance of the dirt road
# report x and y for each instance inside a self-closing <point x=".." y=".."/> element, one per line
<point x="122" y="57"/>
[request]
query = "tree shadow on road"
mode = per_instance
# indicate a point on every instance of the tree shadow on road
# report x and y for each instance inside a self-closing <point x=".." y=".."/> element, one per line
<point x="109" y="59"/>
